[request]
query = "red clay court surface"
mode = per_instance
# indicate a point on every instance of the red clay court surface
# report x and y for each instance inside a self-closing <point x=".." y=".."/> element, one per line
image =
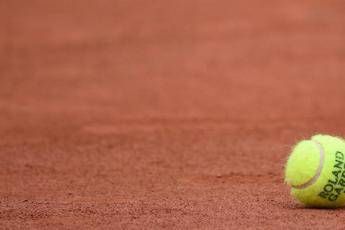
<point x="164" y="114"/>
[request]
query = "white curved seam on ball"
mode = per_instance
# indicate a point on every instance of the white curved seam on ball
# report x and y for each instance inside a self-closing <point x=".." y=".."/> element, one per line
<point x="318" y="171"/>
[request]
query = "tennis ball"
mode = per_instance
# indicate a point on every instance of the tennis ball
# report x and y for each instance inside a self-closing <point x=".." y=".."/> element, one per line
<point x="315" y="171"/>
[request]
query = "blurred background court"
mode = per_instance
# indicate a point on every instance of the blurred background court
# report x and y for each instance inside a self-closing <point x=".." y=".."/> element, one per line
<point x="164" y="114"/>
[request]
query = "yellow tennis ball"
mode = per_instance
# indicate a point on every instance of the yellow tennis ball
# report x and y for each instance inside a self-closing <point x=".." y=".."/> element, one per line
<point x="315" y="171"/>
